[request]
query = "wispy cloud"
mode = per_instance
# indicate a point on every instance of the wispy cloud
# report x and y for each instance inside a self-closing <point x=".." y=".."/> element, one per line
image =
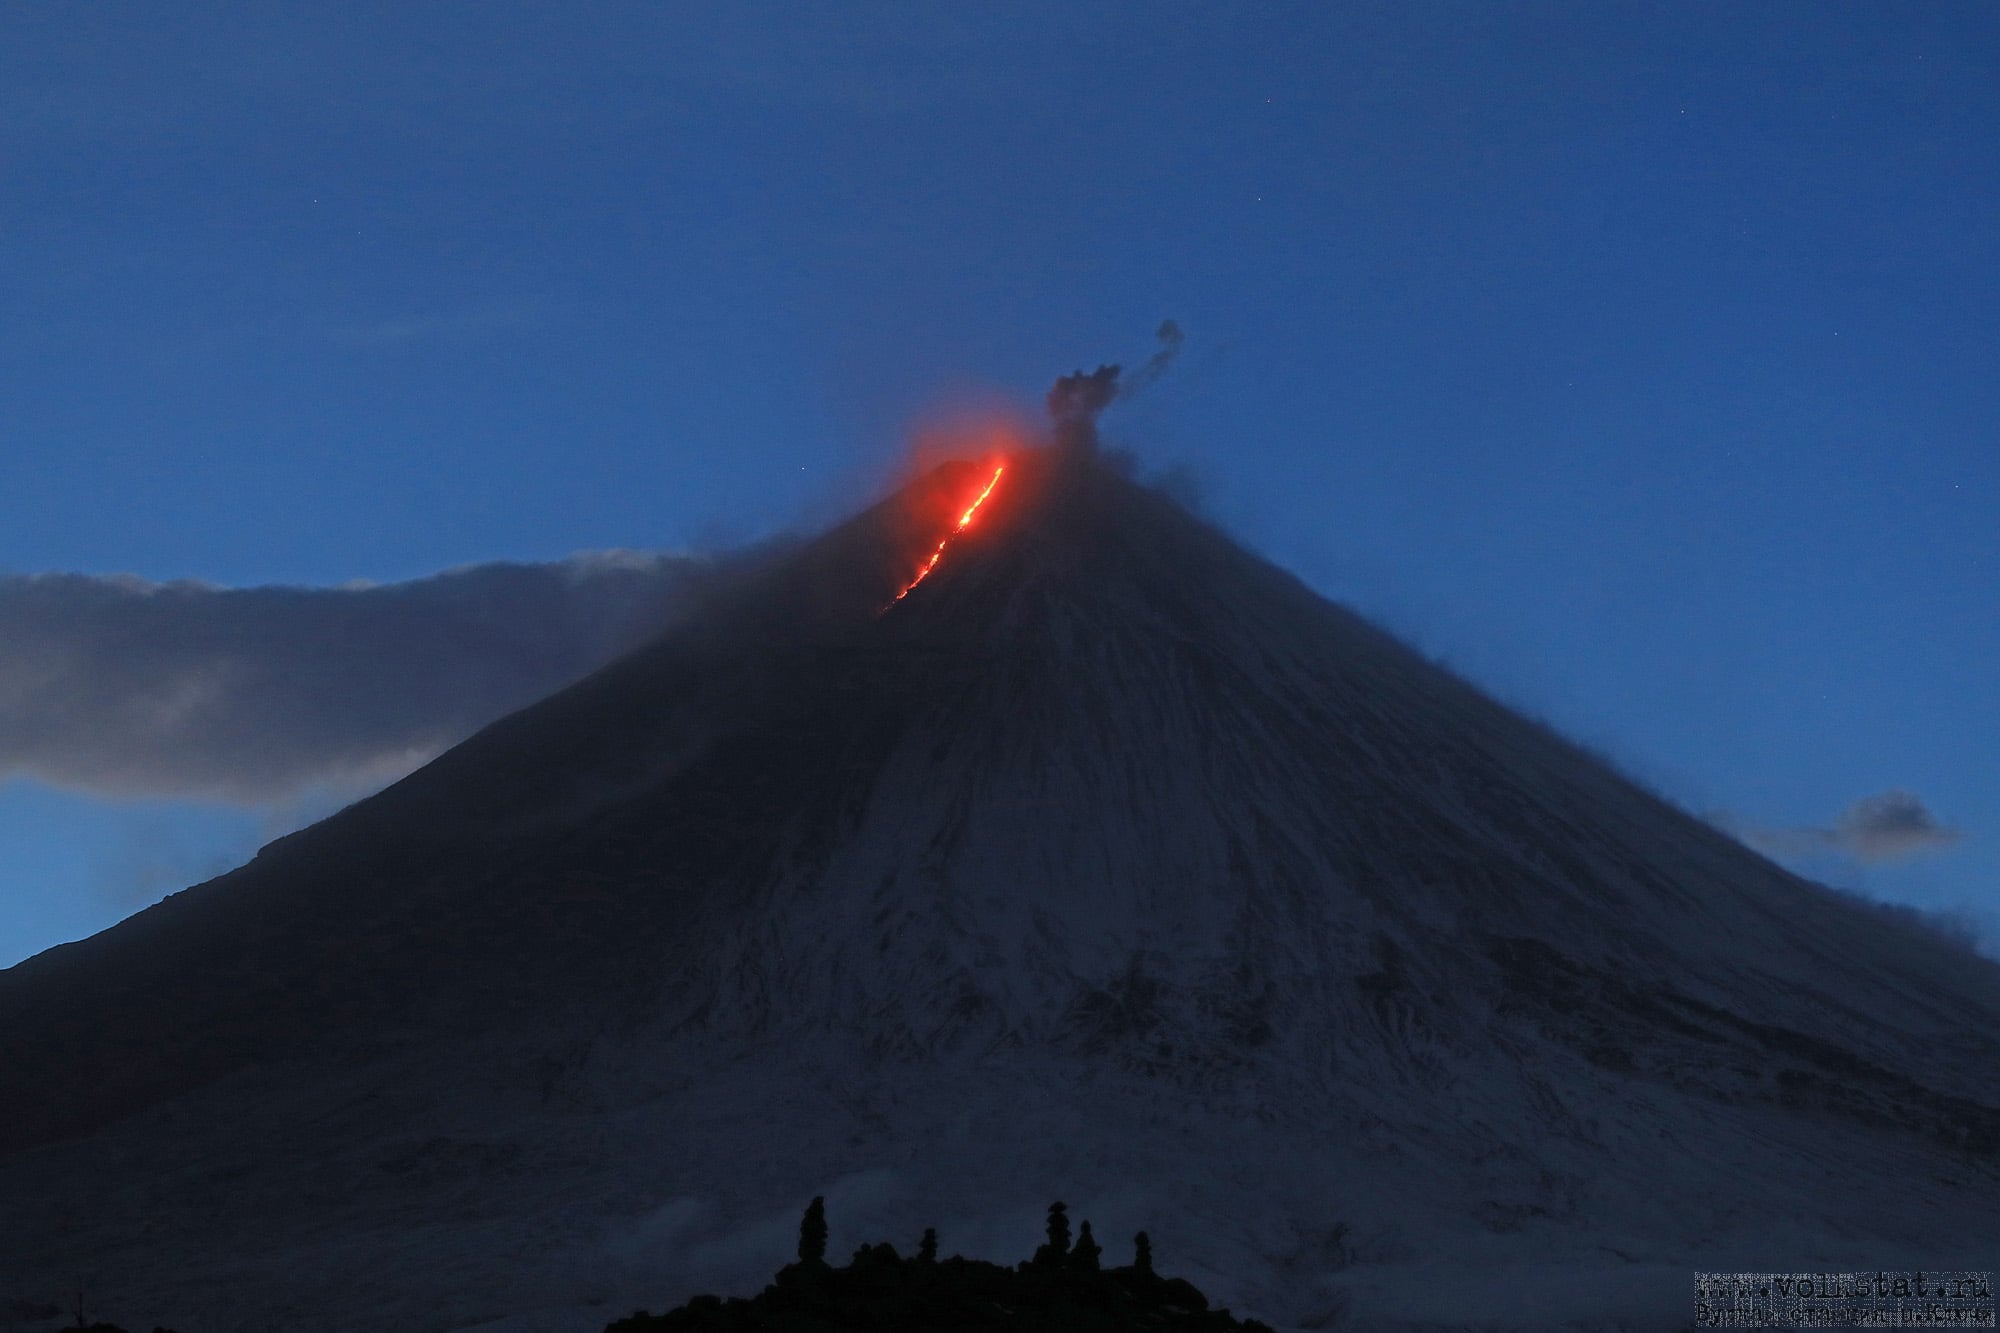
<point x="122" y="686"/>
<point x="149" y="855"/>
<point x="1892" y="826"/>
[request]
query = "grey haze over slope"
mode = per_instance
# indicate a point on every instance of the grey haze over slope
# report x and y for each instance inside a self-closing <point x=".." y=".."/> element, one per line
<point x="1110" y="864"/>
<point x="132" y="687"/>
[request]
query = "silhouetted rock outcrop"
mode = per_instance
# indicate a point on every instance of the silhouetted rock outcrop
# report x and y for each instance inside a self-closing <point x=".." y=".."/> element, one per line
<point x="812" y="1234"/>
<point x="1060" y="1290"/>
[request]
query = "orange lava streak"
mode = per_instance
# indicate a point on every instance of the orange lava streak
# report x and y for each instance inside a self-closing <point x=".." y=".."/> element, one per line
<point x="963" y="519"/>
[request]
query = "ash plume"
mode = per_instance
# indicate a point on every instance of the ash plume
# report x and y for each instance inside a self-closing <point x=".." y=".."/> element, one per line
<point x="1077" y="399"/>
<point x="1170" y="338"/>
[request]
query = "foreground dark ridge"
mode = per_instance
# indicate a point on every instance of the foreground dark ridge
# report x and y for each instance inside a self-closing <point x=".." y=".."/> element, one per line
<point x="1063" y="1289"/>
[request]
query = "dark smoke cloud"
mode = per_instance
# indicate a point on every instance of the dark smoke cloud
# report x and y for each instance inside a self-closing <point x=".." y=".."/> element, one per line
<point x="122" y="686"/>
<point x="1892" y="826"/>
<point x="1077" y="399"/>
<point x="1171" y="338"/>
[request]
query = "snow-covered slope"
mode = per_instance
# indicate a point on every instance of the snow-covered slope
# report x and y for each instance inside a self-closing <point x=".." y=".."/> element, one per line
<point x="1110" y="863"/>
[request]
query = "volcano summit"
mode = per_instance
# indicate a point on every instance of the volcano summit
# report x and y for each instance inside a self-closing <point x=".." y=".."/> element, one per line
<point x="1105" y="860"/>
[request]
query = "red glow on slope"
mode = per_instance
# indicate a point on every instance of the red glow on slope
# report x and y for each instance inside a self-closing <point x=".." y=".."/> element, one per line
<point x="963" y="521"/>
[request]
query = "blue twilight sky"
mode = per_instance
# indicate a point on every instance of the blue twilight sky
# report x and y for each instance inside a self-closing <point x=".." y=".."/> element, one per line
<point x="1637" y="359"/>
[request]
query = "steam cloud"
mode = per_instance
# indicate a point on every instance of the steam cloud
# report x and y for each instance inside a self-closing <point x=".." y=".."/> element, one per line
<point x="118" y="685"/>
<point x="1892" y="826"/>
<point x="1077" y="399"/>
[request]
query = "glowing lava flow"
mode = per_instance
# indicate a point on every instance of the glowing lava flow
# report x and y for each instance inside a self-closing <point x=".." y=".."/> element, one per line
<point x="963" y="519"/>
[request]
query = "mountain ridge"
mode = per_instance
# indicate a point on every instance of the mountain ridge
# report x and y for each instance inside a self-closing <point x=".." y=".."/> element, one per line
<point x="1109" y="821"/>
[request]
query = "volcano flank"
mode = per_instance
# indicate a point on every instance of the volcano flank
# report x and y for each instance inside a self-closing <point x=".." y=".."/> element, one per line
<point x="1103" y="860"/>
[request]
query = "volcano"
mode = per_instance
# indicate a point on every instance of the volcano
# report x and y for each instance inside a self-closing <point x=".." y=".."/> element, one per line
<point x="1100" y="860"/>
